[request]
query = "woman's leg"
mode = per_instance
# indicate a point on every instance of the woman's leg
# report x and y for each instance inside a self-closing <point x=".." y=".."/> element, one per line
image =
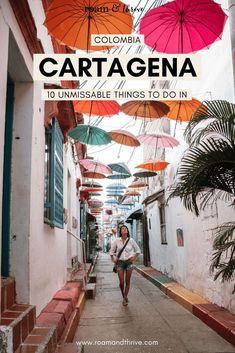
<point x="121" y="280"/>
<point x="128" y="279"/>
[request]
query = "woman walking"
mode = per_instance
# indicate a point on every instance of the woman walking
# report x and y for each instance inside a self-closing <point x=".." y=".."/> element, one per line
<point x="126" y="259"/>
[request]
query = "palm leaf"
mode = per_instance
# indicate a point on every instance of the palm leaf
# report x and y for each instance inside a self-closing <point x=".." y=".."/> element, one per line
<point x="217" y="110"/>
<point x="223" y="259"/>
<point x="206" y="171"/>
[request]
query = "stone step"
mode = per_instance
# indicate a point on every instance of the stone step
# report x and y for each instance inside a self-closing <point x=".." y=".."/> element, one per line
<point x="70" y="348"/>
<point x="40" y="340"/>
<point x="90" y="290"/>
<point x="7" y="293"/>
<point x="16" y="323"/>
<point x="92" y="278"/>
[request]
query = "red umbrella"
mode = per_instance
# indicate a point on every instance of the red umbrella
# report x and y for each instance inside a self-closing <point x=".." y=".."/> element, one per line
<point x="99" y="108"/>
<point x="183" y="26"/>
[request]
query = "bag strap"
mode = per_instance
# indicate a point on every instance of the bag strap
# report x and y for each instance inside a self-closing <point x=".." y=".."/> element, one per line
<point x="120" y="252"/>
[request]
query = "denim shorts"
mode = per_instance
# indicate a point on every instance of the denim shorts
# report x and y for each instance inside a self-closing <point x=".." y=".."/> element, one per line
<point x="124" y="265"/>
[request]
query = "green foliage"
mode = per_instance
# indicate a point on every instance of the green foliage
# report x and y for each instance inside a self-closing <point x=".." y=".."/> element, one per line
<point x="207" y="172"/>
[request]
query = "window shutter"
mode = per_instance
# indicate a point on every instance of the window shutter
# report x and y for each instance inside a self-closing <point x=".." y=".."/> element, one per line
<point x="57" y="175"/>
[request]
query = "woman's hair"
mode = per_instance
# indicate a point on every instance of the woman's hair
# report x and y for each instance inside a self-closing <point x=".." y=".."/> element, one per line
<point x="120" y="233"/>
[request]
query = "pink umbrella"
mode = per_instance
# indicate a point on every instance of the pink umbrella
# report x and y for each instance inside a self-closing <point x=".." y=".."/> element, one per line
<point x="160" y="140"/>
<point x="95" y="166"/>
<point x="183" y="26"/>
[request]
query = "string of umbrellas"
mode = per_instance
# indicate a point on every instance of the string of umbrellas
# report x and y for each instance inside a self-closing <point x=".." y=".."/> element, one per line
<point x="176" y="27"/>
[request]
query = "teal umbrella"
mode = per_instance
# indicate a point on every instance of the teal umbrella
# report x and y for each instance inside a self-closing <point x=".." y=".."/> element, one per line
<point x="118" y="176"/>
<point x="111" y="202"/>
<point x="90" y="135"/>
<point x="120" y="168"/>
<point x="115" y="186"/>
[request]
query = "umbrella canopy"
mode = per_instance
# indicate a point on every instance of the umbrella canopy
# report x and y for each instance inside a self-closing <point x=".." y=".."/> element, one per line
<point x="118" y="176"/>
<point x="94" y="175"/>
<point x="116" y="186"/>
<point x="94" y="194"/>
<point x="182" y="110"/>
<point x="145" y="109"/>
<point x="153" y="165"/>
<point x="114" y="195"/>
<point x="137" y="184"/>
<point x="183" y="26"/>
<point x="124" y="138"/>
<point x="160" y="140"/>
<point x="95" y="166"/>
<point x="92" y="184"/>
<point x="114" y="202"/>
<point x="91" y="135"/>
<point x="92" y="189"/>
<point x="132" y="193"/>
<point x="120" y="168"/>
<point x="144" y="174"/>
<point x="99" y="108"/>
<point x="72" y="22"/>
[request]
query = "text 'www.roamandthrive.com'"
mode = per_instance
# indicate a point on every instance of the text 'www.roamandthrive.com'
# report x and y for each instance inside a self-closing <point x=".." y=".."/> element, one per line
<point x="123" y="342"/>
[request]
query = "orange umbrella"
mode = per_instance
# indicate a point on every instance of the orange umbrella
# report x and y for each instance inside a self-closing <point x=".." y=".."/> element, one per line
<point x="94" y="175"/>
<point x="153" y="165"/>
<point x="124" y="138"/>
<point x="99" y="108"/>
<point x="145" y="109"/>
<point x="73" y="22"/>
<point x="182" y="110"/>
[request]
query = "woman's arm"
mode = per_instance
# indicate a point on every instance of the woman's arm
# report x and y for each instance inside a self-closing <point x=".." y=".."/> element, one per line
<point x="136" y="249"/>
<point x="113" y="251"/>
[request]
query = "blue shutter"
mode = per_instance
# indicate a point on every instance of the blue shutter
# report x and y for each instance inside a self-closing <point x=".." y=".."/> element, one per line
<point x="57" y="176"/>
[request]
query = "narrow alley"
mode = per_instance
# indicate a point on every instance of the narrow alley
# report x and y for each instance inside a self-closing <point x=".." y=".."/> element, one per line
<point x="150" y="316"/>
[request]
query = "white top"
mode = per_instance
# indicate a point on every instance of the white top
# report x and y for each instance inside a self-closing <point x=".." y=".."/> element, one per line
<point x="130" y="250"/>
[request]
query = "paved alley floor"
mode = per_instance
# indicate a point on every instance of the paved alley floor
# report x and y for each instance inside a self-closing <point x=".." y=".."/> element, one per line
<point x="150" y="316"/>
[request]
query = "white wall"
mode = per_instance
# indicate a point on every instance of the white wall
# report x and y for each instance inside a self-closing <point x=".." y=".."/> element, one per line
<point x="4" y="30"/>
<point x="39" y="256"/>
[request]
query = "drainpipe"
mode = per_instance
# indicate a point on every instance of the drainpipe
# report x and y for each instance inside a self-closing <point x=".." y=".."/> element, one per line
<point x="231" y="6"/>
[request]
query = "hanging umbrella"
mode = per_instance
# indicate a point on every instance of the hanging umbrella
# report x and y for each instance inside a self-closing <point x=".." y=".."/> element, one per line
<point x="72" y="22"/>
<point x="183" y="26"/>
<point x="153" y="165"/>
<point x="94" y="194"/>
<point x="160" y="140"/>
<point x="124" y="138"/>
<point x="137" y="184"/>
<point x="114" y="195"/>
<point x="91" y="135"/>
<point x="94" y="175"/>
<point x="120" y="168"/>
<point x="147" y="110"/>
<point x="116" y="186"/>
<point x="114" y="202"/>
<point x="182" y="110"/>
<point x="144" y="174"/>
<point x="92" y="184"/>
<point x="118" y="176"/>
<point x="95" y="166"/>
<point x="99" y="108"/>
<point x="92" y="189"/>
<point x="132" y="193"/>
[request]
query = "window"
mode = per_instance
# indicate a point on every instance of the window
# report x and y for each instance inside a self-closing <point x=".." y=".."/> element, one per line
<point x="53" y="192"/>
<point x="162" y="217"/>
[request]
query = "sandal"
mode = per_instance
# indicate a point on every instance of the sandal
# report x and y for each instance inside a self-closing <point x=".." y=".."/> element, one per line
<point x="125" y="302"/>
